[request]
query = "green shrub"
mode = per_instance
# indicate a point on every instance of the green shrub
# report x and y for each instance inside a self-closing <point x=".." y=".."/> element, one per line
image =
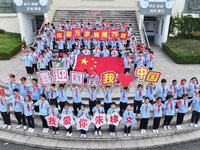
<point x="2" y="31"/>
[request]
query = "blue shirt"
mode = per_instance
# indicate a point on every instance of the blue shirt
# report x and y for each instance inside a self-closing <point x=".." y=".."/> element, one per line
<point x="35" y="92"/>
<point x="148" y="92"/>
<point x="149" y="62"/>
<point x="160" y="92"/>
<point x="128" y="113"/>
<point x="183" y="106"/>
<point x="52" y="94"/>
<point x="80" y="113"/>
<point x="96" y="110"/>
<point x="76" y="96"/>
<point x="42" y="63"/>
<point x="61" y="44"/>
<point x="86" y="52"/>
<point x="124" y="54"/>
<point x="107" y="97"/>
<point x="40" y="45"/>
<point x="193" y="86"/>
<point x="66" y="63"/>
<point x="33" y="56"/>
<point x="121" y="45"/>
<point x="11" y="87"/>
<point x="42" y="90"/>
<point x="111" y="111"/>
<point x="196" y="102"/>
<point x="43" y="107"/>
<point x="138" y="97"/>
<point x="28" y="112"/>
<point x="67" y="111"/>
<point x="77" y="52"/>
<point x="160" y="109"/>
<point x="146" y="108"/>
<point x="127" y="63"/>
<point x="181" y="92"/>
<point x="174" y="89"/>
<point x="23" y="91"/>
<point x="53" y="110"/>
<point x="105" y="53"/>
<point x="94" y="76"/>
<point x="3" y="104"/>
<point x="124" y="97"/>
<point x="62" y="96"/>
<point x="170" y="111"/>
<point x="93" y="95"/>
<point x="115" y="53"/>
<point x="96" y="52"/>
<point x="140" y="61"/>
<point x="16" y="106"/>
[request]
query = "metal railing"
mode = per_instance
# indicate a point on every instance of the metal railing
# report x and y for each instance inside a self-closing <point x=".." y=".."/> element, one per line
<point x="145" y="36"/>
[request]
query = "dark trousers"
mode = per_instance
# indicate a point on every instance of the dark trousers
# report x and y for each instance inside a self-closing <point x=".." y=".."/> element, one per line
<point x="167" y="120"/>
<point x="97" y="129"/>
<point x="127" y="129"/>
<point x="112" y="128"/>
<point x="75" y="107"/>
<point x="62" y="104"/>
<point x="135" y="66"/>
<point x="35" y="67"/>
<point x="69" y="130"/>
<point x="151" y="101"/>
<point x="30" y="121"/>
<point x="36" y="107"/>
<point x="189" y="104"/>
<point x="137" y="105"/>
<point x="106" y="107"/>
<point x="150" y="68"/>
<point x="126" y="70"/>
<point x="55" y="101"/>
<point x="60" y="52"/>
<point x="122" y="108"/>
<point x="144" y="123"/>
<point x="83" y="131"/>
<point x="92" y="104"/>
<point x="195" y="117"/>
<point x="6" y="117"/>
<point x="156" y="123"/>
<point x="180" y="117"/>
<point x="50" y="64"/>
<point x="20" y="118"/>
<point x="44" y="122"/>
<point x="55" y="129"/>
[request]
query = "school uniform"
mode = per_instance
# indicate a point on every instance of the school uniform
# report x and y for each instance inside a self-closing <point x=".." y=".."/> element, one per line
<point x="28" y="60"/>
<point x="149" y="63"/>
<point x="28" y="107"/>
<point x="43" y="90"/>
<point x="105" y="53"/>
<point x="40" y="45"/>
<point x="127" y="65"/>
<point x="181" y="113"/>
<point x="135" y="62"/>
<point x="174" y="89"/>
<point x="145" y="108"/>
<point x="77" y="52"/>
<point x="124" y="54"/>
<point x="140" y="60"/>
<point x="107" y="100"/>
<point x="17" y="108"/>
<point x="92" y="101"/>
<point x="62" y="98"/>
<point x="196" y="111"/>
<point x="11" y="87"/>
<point x="23" y="91"/>
<point x="34" y="57"/>
<point x="138" y="100"/>
<point x="123" y="101"/>
<point x="162" y="92"/>
<point x="112" y="127"/>
<point x="49" y="59"/>
<point x="3" y="109"/>
<point x="55" y="112"/>
<point x="77" y="101"/>
<point x="182" y="91"/>
<point x="60" y="47"/>
<point x="42" y="63"/>
<point x="170" y="112"/>
<point x="68" y="112"/>
<point x="127" y="130"/>
<point x="81" y="113"/>
<point x="86" y="76"/>
<point x="96" y="53"/>
<point x="157" y="114"/>
<point x="86" y="52"/>
<point x="94" y="76"/>
<point x="193" y="87"/>
<point x="99" y="110"/>
<point x="150" y="93"/>
<point x="121" y="44"/>
<point x="53" y="96"/>
<point x="114" y="43"/>
<point x="35" y="96"/>
<point x="43" y="111"/>
<point x="115" y="53"/>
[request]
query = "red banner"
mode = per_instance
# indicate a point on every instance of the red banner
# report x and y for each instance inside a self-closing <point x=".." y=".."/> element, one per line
<point x="59" y="35"/>
<point x="96" y="34"/>
<point x="77" y="33"/>
<point x="114" y="34"/>
<point x="87" y="33"/>
<point x="123" y="35"/>
<point x="104" y="34"/>
<point x="68" y="34"/>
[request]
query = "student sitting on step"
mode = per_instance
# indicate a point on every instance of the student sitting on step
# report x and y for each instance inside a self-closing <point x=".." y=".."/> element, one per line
<point x="54" y="111"/>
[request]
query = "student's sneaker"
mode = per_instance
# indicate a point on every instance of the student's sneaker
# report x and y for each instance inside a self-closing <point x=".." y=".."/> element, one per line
<point x="53" y="132"/>
<point x="110" y="134"/>
<point x="57" y="132"/>
<point x="81" y="135"/>
<point x="129" y="134"/>
<point x="100" y="133"/>
<point x="44" y="129"/>
<point x="138" y="115"/>
<point x="142" y="131"/>
<point x="180" y="127"/>
<point x="19" y="126"/>
<point x="177" y="127"/>
<point x="29" y="77"/>
<point x="9" y="127"/>
<point x="84" y="135"/>
<point x="5" y="126"/>
<point x="113" y="134"/>
<point x="125" y="134"/>
<point x="95" y="133"/>
<point x="32" y="130"/>
<point x="25" y="127"/>
<point x="169" y="127"/>
<point x="70" y="134"/>
<point x="29" y="130"/>
<point x="191" y="124"/>
<point x="165" y="127"/>
<point x="154" y="131"/>
<point x="195" y="125"/>
<point x="67" y="134"/>
<point x="145" y="131"/>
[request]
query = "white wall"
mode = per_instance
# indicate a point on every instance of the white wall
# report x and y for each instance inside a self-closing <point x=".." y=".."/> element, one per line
<point x="178" y="7"/>
<point x="9" y="22"/>
<point x="26" y="27"/>
<point x="159" y="39"/>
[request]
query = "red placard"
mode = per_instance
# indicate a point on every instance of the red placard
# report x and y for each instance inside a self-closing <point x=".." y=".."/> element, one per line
<point x="77" y="33"/>
<point x="96" y="34"/>
<point x="68" y="34"/>
<point x="114" y="34"/>
<point x="108" y="77"/>
<point x="152" y="76"/>
<point x="123" y="35"/>
<point x="59" y="35"/>
<point x="104" y="34"/>
<point x="87" y="33"/>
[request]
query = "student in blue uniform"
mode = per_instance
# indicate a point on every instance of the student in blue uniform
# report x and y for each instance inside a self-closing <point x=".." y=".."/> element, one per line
<point x="98" y="109"/>
<point x="173" y="87"/>
<point x="34" y="57"/>
<point x="150" y="61"/>
<point x="86" y="76"/>
<point x="62" y="95"/>
<point x="158" y="111"/>
<point x="182" y="88"/>
<point x="150" y="88"/>
<point x="127" y="63"/>
<point x="96" y="52"/>
<point x="42" y="62"/>
<point x="54" y="111"/>
<point x="114" y="52"/>
<point x="107" y="97"/>
<point x="193" y="86"/>
<point x="123" y="98"/>
<point x="81" y="112"/>
<point x="52" y="92"/>
<point x="140" y="59"/>
<point x="77" y="51"/>
<point x="111" y="110"/>
<point x="86" y="51"/>
<point x="76" y="94"/>
<point x="94" y="75"/>
<point x="5" y="109"/>
<point x="61" y="44"/>
<point x="67" y="111"/>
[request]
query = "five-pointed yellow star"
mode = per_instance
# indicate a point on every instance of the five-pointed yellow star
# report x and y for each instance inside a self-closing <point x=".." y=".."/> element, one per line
<point x="84" y="61"/>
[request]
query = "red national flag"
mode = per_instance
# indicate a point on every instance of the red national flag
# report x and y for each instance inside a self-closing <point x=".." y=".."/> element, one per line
<point x="100" y="64"/>
<point x="114" y="34"/>
<point x="87" y="33"/>
<point x="59" y="35"/>
<point x="77" y="33"/>
<point x="123" y="35"/>
<point x="68" y="34"/>
<point x="96" y="34"/>
<point x="104" y="34"/>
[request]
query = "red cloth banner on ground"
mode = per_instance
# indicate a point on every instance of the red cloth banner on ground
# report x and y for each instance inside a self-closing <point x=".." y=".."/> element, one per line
<point x="104" y="34"/>
<point x="87" y="33"/>
<point x="96" y="34"/>
<point x="76" y="77"/>
<point x="60" y="75"/>
<point x="100" y="64"/>
<point x="123" y="35"/>
<point x="77" y="33"/>
<point x="114" y="34"/>
<point x="59" y="35"/>
<point x="68" y="34"/>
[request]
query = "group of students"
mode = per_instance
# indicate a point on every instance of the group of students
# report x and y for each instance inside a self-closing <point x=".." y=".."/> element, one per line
<point x="44" y="99"/>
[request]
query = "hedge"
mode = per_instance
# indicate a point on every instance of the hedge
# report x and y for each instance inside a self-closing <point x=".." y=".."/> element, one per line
<point x="10" y="45"/>
<point x="182" y="53"/>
